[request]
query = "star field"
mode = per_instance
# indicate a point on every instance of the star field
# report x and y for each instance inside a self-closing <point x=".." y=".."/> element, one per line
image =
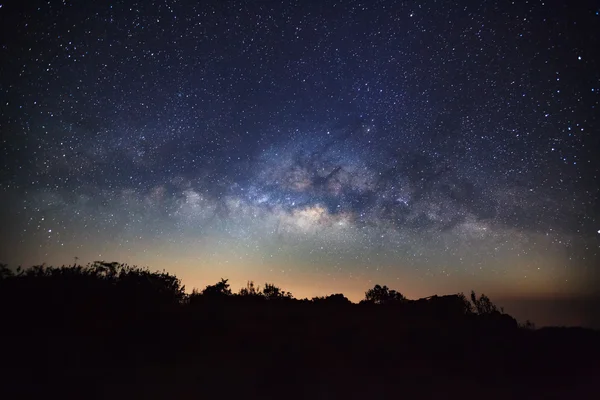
<point x="432" y="146"/>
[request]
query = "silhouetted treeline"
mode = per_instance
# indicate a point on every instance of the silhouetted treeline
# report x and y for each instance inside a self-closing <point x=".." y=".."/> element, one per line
<point x="109" y="330"/>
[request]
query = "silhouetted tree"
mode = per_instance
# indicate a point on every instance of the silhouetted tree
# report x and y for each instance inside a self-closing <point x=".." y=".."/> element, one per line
<point x="527" y="325"/>
<point x="464" y="303"/>
<point x="383" y="295"/>
<point x="221" y="288"/>
<point x="250" y="290"/>
<point x="332" y="300"/>
<point x="5" y="272"/>
<point x="272" y="292"/>
<point x="483" y="305"/>
<point x="452" y="306"/>
<point x="90" y="295"/>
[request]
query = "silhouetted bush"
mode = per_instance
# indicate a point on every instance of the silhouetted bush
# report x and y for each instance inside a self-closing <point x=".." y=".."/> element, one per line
<point x="483" y="305"/>
<point x="250" y="290"/>
<point x="272" y="292"/>
<point x="332" y="300"/>
<point x="217" y="290"/>
<point x="111" y="287"/>
<point x="383" y="295"/>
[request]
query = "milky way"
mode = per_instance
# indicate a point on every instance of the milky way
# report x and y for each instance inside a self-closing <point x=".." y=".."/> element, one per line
<point x="431" y="146"/>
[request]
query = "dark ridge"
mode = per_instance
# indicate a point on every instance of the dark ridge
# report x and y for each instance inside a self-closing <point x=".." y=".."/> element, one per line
<point x="111" y="331"/>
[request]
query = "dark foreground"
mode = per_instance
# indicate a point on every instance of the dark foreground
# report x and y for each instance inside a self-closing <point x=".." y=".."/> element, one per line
<point x="73" y="337"/>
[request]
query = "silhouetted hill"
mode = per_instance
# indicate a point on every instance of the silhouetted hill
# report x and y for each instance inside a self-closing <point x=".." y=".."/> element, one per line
<point x="112" y="331"/>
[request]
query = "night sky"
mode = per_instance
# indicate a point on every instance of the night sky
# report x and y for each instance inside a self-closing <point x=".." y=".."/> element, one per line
<point x="432" y="146"/>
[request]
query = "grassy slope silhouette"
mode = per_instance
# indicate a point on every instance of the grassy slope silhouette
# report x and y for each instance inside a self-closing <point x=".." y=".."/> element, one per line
<point x="108" y="330"/>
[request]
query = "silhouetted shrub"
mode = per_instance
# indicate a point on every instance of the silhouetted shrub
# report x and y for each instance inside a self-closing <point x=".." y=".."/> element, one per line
<point x="332" y="300"/>
<point x="221" y="288"/>
<point x="483" y="304"/>
<point x="383" y="295"/>
<point x="250" y="290"/>
<point x="528" y="325"/>
<point x="272" y="292"/>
